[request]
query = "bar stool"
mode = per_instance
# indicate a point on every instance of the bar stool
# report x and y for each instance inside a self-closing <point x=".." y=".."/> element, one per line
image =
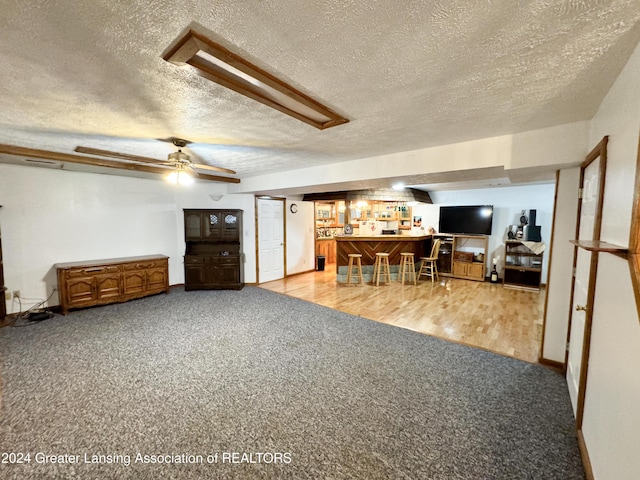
<point x="357" y="265"/>
<point x="379" y="267"/>
<point x="407" y="267"/>
<point x="429" y="267"/>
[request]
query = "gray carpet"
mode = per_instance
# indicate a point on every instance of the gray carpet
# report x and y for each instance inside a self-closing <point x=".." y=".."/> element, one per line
<point x="296" y="390"/>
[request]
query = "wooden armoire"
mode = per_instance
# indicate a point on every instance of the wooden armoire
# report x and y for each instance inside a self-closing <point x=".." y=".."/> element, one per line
<point x="213" y="255"/>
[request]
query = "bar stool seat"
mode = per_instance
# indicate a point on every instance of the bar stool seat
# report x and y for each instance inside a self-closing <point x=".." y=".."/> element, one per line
<point x="355" y="262"/>
<point x="407" y="267"/>
<point x="381" y="269"/>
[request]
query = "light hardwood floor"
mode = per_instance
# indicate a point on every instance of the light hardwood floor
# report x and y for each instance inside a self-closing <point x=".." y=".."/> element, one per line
<point x="479" y="314"/>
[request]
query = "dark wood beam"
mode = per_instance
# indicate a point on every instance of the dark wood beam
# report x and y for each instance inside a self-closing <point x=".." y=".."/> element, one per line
<point x="379" y="194"/>
<point x="98" y="162"/>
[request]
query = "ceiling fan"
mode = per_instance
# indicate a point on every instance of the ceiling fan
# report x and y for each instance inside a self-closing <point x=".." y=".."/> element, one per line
<point x="179" y="161"/>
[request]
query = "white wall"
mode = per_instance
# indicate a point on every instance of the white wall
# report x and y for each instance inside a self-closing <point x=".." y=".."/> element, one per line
<point x="51" y="216"/>
<point x="430" y="216"/>
<point x="611" y="423"/>
<point x="300" y="237"/>
<point x="508" y="203"/>
<point x="554" y="343"/>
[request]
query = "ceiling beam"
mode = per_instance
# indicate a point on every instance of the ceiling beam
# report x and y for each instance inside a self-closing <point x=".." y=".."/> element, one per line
<point x="220" y="65"/>
<point x="123" y="156"/>
<point x="377" y="194"/>
<point x="98" y="162"/>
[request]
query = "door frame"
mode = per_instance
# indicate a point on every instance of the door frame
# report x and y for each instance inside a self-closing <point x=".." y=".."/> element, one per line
<point x="257" y="230"/>
<point x="599" y="152"/>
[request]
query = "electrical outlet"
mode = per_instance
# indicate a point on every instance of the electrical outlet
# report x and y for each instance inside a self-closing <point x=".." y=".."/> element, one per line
<point x="7" y="295"/>
<point x="16" y="294"/>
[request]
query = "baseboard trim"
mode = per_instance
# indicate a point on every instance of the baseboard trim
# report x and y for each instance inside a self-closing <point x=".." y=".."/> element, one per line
<point x="584" y="453"/>
<point x="551" y="363"/>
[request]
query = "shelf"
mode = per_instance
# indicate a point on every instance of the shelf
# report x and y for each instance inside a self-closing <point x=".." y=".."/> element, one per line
<point x="599" y="246"/>
<point x="528" y="269"/>
<point x="521" y="274"/>
<point x="449" y="265"/>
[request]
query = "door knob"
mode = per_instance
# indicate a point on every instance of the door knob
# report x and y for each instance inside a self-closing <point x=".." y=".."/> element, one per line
<point x="581" y="308"/>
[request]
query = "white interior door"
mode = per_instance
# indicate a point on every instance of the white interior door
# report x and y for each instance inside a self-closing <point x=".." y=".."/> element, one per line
<point x="270" y="240"/>
<point x="581" y="308"/>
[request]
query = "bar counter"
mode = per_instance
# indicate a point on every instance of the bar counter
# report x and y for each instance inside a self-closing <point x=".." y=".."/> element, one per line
<point x="368" y="246"/>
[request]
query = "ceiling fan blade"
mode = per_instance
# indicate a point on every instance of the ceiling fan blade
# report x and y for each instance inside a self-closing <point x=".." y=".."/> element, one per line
<point x="192" y="171"/>
<point x="213" y="178"/>
<point x="123" y="156"/>
<point x="205" y="166"/>
<point x="212" y="168"/>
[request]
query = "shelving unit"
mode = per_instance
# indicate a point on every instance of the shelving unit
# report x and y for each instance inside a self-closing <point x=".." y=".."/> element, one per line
<point x="523" y="267"/>
<point x="332" y="214"/>
<point x="462" y="256"/>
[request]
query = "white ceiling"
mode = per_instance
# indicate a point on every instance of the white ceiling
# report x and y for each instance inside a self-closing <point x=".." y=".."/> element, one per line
<point x="408" y="74"/>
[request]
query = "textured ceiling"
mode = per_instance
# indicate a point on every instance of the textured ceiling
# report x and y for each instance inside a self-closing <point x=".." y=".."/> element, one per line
<point x="408" y="74"/>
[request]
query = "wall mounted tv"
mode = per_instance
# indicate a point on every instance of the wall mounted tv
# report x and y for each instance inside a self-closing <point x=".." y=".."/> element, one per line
<point x="470" y="220"/>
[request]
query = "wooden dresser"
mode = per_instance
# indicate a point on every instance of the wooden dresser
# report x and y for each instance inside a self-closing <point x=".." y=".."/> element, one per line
<point x="99" y="282"/>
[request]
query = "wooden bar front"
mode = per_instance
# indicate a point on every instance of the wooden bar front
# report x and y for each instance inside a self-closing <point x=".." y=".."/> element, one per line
<point x="394" y="245"/>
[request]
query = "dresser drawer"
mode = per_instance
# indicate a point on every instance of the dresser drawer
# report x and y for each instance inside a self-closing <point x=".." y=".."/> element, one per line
<point x="225" y="260"/>
<point x="90" y="271"/>
<point x="193" y="260"/>
<point x="141" y="265"/>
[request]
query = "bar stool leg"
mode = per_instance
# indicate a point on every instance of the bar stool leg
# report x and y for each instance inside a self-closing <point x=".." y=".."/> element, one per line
<point x="403" y="267"/>
<point x="386" y="264"/>
<point x="359" y="262"/>
<point x="411" y="267"/>
<point x="376" y="266"/>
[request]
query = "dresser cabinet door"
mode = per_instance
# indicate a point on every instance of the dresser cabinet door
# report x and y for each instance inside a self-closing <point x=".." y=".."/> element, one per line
<point x="193" y="271"/>
<point x="224" y="271"/>
<point x="157" y="280"/>
<point x="80" y="292"/>
<point x="476" y="270"/>
<point x="460" y="269"/>
<point x="134" y="283"/>
<point x="193" y="226"/>
<point x="230" y="226"/>
<point x="212" y="225"/>
<point x="107" y="288"/>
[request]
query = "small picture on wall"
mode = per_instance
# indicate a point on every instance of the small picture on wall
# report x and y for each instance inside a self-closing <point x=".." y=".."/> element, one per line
<point x="417" y="221"/>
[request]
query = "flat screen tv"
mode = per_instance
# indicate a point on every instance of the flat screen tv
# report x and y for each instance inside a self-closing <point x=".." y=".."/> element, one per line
<point x="470" y="220"/>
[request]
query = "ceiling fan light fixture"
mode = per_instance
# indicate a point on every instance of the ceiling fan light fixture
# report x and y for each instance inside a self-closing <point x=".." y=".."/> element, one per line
<point x="180" y="176"/>
<point x="218" y="64"/>
<point x="178" y="156"/>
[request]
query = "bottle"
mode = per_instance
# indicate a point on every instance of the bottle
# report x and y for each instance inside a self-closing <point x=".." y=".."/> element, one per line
<point x="494" y="275"/>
